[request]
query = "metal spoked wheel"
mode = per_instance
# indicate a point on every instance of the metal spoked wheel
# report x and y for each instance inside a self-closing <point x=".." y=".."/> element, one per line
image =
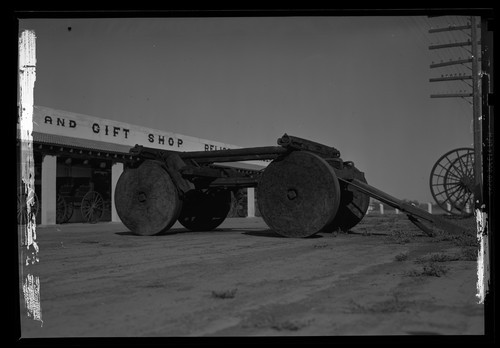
<point x="452" y="181"/>
<point x="61" y="209"/>
<point x="22" y="205"/>
<point x="92" y="207"/>
<point x="64" y="210"/>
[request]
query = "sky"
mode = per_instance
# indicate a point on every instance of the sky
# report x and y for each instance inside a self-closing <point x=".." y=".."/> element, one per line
<point x="359" y="84"/>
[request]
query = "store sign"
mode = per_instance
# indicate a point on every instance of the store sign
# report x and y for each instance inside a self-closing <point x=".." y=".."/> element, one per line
<point x="57" y="122"/>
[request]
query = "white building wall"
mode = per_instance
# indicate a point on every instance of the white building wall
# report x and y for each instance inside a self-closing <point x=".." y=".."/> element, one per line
<point x="48" y="206"/>
<point x="116" y="171"/>
<point x="250" y="202"/>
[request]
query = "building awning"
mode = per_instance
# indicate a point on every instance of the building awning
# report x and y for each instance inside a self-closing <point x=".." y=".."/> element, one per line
<point x="78" y="143"/>
<point x="110" y="148"/>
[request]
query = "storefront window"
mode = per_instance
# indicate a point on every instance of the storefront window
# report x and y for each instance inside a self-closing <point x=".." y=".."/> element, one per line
<point x="83" y="190"/>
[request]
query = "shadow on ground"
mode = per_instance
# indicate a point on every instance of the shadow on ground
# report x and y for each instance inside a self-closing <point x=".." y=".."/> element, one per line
<point x="180" y="230"/>
<point x="259" y="233"/>
<point x="270" y="233"/>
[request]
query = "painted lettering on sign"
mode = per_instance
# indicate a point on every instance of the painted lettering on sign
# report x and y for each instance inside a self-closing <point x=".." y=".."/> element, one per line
<point x="59" y="121"/>
<point x="110" y="130"/>
<point x="211" y="147"/>
<point x="163" y="140"/>
<point x="119" y="131"/>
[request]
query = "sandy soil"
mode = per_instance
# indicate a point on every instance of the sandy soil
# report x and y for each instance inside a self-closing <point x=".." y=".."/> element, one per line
<point x="384" y="277"/>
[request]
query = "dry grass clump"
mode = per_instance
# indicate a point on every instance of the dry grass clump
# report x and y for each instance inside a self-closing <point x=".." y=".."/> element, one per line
<point x="391" y="305"/>
<point x="430" y="269"/>
<point x="402" y="256"/>
<point x="224" y="294"/>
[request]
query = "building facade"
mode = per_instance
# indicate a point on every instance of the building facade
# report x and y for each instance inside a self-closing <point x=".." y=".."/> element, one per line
<point x="79" y="158"/>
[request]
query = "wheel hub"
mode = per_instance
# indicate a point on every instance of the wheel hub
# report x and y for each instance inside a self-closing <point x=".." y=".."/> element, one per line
<point x="467" y="182"/>
<point x="291" y="194"/>
<point x="141" y="197"/>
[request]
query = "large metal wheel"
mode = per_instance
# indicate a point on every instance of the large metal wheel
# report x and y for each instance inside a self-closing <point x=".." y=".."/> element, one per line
<point x="299" y="194"/>
<point x="353" y="206"/>
<point x="146" y="199"/>
<point x="22" y="205"/>
<point x="452" y="181"/>
<point x="70" y="208"/>
<point x="205" y="210"/>
<point x="61" y="210"/>
<point x="92" y="206"/>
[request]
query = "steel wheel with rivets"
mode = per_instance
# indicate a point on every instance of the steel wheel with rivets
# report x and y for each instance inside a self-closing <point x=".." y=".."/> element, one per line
<point x="205" y="210"/>
<point x="353" y="206"/>
<point x="146" y="199"/>
<point x="298" y="194"/>
<point x="452" y="181"/>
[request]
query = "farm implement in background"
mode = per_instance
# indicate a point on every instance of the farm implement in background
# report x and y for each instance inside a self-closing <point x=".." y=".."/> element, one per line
<point x="452" y="181"/>
<point x="306" y="189"/>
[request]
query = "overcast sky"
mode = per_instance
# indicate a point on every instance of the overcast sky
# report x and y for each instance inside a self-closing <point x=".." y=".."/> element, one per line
<point x="360" y="84"/>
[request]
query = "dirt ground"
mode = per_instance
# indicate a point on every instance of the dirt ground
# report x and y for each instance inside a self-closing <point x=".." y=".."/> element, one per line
<point x="384" y="277"/>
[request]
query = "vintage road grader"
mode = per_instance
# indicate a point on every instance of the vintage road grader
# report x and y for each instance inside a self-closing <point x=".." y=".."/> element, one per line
<point x="306" y="189"/>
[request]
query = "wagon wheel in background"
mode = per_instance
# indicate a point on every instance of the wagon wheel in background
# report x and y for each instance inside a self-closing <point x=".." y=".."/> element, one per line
<point x="92" y="206"/>
<point x="61" y="209"/>
<point x="299" y="194"/>
<point x="64" y="210"/>
<point x="463" y="198"/>
<point x="22" y="208"/>
<point x="146" y="199"/>
<point x="205" y="210"/>
<point x="452" y="181"/>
